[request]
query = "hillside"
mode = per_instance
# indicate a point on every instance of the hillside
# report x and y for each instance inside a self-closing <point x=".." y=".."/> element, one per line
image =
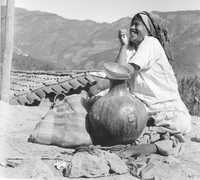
<point x="74" y="44"/>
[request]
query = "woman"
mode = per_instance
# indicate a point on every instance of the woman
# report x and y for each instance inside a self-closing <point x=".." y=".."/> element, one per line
<point x="153" y="80"/>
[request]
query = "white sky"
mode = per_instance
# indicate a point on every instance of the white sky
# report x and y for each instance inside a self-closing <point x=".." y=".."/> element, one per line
<point x="105" y="10"/>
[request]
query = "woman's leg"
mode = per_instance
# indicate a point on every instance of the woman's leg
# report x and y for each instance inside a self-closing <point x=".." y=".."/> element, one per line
<point x="178" y="120"/>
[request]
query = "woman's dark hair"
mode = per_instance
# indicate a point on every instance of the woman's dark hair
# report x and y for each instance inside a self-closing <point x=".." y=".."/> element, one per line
<point x="159" y="32"/>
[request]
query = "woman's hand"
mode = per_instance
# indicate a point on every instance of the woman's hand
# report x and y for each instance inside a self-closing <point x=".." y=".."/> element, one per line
<point x="123" y="37"/>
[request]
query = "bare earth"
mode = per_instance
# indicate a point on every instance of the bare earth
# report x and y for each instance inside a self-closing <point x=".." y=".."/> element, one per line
<point x="28" y="160"/>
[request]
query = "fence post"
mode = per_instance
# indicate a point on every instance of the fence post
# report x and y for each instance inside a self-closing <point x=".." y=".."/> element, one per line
<point x="8" y="51"/>
<point x="1" y="56"/>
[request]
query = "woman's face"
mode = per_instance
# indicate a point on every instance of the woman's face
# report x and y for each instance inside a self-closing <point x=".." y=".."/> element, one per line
<point x="137" y="32"/>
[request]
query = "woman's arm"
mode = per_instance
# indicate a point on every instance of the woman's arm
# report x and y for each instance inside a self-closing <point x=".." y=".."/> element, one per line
<point x="122" y="55"/>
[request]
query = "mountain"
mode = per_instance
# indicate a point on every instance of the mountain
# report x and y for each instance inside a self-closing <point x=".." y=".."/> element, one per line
<point x="184" y="31"/>
<point x="29" y="63"/>
<point x="74" y="44"/>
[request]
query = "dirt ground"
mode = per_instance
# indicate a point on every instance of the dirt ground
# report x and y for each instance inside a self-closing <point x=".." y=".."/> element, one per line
<point x="29" y="160"/>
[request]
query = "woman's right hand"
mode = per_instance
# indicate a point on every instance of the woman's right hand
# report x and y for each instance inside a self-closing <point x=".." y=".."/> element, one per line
<point x="123" y="37"/>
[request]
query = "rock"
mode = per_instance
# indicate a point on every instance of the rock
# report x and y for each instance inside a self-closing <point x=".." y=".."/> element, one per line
<point x="165" y="147"/>
<point x="115" y="163"/>
<point x="84" y="164"/>
<point x="171" y="168"/>
<point x="113" y="177"/>
<point x="97" y="163"/>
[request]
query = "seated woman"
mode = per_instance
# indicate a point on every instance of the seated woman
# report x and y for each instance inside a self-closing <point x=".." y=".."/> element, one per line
<point x="153" y="80"/>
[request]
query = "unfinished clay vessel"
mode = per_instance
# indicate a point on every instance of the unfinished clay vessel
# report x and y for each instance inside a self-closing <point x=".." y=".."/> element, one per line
<point x="118" y="117"/>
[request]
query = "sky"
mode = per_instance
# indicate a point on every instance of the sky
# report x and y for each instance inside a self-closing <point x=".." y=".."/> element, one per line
<point x="105" y="10"/>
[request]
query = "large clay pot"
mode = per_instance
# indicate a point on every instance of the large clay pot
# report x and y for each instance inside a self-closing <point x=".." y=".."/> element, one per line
<point x="118" y="117"/>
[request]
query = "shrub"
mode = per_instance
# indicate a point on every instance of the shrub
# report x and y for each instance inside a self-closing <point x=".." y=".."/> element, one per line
<point x="189" y="88"/>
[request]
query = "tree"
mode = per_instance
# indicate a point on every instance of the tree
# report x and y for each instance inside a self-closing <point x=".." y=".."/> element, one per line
<point x="8" y="50"/>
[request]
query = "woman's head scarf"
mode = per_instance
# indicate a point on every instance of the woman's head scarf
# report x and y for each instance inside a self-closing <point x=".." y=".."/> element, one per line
<point x="154" y="29"/>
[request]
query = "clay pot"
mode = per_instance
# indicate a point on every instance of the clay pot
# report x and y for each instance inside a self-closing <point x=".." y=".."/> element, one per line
<point x="118" y="117"/>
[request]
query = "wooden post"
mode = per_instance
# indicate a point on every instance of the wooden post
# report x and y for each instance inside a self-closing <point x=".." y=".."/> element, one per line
<point x="1" y="44"/>
<point x="8" y="51"/>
